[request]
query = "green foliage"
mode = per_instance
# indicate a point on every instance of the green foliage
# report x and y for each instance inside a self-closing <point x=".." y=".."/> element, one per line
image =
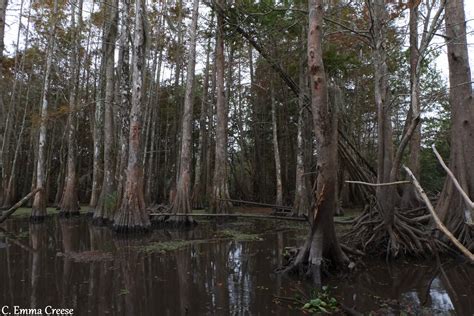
<point x="322" y="303"/>
<point x="167" y="246"/>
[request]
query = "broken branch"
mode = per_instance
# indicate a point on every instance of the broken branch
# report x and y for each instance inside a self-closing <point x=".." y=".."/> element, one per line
<point x="453" y="178"/>
<point x="378" y="184"/>
<point x="438" y="222"/>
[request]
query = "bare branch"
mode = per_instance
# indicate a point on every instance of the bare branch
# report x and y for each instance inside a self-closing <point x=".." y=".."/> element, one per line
<point x="453" y="178"/>
<point x="378" y="184"/>
<point x="438" y="222"/>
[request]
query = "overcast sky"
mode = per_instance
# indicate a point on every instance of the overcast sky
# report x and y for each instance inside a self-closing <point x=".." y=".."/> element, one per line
<point x="442" y="61"/>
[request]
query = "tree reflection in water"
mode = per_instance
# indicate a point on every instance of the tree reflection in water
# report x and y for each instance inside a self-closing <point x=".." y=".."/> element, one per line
<point x="88" y="268"/>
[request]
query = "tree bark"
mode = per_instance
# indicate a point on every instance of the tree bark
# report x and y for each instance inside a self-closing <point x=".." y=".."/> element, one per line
<point x="38" y="212"/>
<point x="3" y="11"/>
<point x="199" y="193"/>
<point x="276" y="151"/>
<point x="182" y="201"/>
<point x="97" y="172"/>
<point x="322" y="241"/>
<point x="125" y="96"/>
<point x="132" y="217"/>
<point x="108" y="197"/>
<point x="301" y="202"/>
<point x="70" y="201"/>
<point x="220" y="190"/>
<point x="451" y="207"/>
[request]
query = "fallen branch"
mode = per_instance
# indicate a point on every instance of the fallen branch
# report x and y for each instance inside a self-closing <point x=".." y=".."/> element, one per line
<point x="453" y="178"/>
<point x="438" y="222"/>
<point x="378" y="184"/>
<point x="281" y="207"/>
<point x="18" y="204"/>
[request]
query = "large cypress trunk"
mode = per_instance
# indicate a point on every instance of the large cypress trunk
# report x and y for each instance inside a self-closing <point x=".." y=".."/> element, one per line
<point x="131" y="216"/>
<point x="451" y="207"/>
<point x="220" y="189"/>
<point x="70" y="202"/>
<point x="182" y="200"/>
<point x="39" y="203"/>
<point x="125" y="98"/>
<point x="321" y="242"/>
<point x="108" y="198"/>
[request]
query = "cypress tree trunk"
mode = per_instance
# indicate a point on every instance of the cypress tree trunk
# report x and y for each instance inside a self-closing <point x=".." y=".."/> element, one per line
<point x="125" y="97"/>
<point x="220" y="190"/>
<point x="97" y="172"/>
<point x="301" y="202"/>
<point x="451" y="207"/>
<point x="3" y="11"/>
<point x="108" y="196"/>
<point x="276" y="151"/>
<point x="198" y="192"/>
<point x="70" y="202"/>
<point x="39" y="203"/>
<point x="131" y="216"/>
<point x="321" y="242"/>
<point x="182" y="201"/>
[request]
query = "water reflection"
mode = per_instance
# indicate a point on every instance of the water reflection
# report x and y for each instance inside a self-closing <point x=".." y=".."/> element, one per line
<point x="69" y="263"/>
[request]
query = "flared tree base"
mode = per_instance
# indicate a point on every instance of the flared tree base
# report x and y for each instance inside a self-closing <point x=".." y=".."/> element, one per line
<point x="407" y="234"/>
<point x="131" y="220"/>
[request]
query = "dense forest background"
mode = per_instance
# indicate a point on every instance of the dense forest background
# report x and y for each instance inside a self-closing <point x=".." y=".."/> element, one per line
<point x="120" y="105"/>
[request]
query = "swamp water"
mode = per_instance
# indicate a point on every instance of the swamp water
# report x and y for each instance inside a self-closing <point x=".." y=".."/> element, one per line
<point x="210" y="270"/>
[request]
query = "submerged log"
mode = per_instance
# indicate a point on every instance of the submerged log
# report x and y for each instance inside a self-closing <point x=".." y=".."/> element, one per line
<point x="298" y="219"/>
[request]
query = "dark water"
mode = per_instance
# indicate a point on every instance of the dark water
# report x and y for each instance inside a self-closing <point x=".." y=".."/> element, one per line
<point x="87" y="268"/>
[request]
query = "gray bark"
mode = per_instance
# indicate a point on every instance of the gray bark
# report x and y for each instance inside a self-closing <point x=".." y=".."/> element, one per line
<point x="452" y="208"/>
<point x="276" y="151"/>
<point x="182" y="201"/>
<point x="3" y="11"/>
<point x="70" y="202"/>
<point x="108" y="199"/>
<point x="131" y="216"/>
<point x="220" y="191"/>
<point x="39" y="203"/>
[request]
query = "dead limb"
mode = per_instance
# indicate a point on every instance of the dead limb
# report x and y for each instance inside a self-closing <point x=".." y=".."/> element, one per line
<point x="453" y="178"/>
<point x="438" y="222"/>
<point x="378" y="184"/>
<point x="18" y="204"/>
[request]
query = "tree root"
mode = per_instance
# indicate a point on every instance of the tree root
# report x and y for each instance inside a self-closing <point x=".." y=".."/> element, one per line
<point x="407" y="234"/>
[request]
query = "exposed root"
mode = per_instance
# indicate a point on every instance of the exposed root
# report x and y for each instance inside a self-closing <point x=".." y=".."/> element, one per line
<point x="408" y="233"/>
<point x="315" y="258"/>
